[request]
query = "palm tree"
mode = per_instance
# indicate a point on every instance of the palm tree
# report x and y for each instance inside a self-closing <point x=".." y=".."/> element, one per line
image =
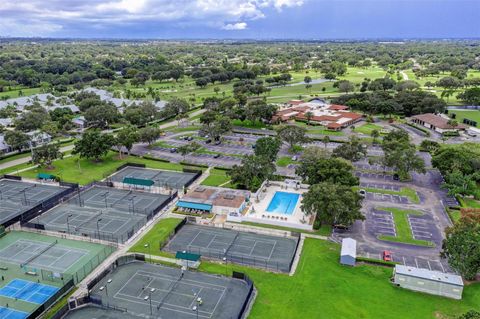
<point x="326" y="140"/>
<point x="375" y="134"/>
<point x="308" y="116"/>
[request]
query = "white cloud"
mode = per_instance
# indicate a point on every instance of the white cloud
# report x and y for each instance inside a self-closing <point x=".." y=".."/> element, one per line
<point x="58" y="14"/>
<point x="235" y="26"/>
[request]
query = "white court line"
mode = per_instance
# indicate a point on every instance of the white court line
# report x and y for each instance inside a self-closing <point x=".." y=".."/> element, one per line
<point x="150" y="275"/>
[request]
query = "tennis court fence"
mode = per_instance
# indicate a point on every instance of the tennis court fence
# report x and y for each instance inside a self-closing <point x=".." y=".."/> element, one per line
<point x="122" y="260"/>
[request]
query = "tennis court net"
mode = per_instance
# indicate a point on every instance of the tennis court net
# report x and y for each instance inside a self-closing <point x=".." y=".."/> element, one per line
<point x="30" y="259"/>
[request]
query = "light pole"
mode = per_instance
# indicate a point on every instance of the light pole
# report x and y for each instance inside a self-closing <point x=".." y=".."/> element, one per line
<point x="152" y="290"/>
<point x="98" y="228"/>
<point x="226" y="269"/>
<point x="198" y="301"/>
<point x="149" y="251"/>
<point x="68" y="225"/>
<point x="105" y="196"/>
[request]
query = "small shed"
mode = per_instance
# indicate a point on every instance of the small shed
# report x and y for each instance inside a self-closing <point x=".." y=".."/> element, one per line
<point x="428" y="281"/>
<point x="348" y="255"/>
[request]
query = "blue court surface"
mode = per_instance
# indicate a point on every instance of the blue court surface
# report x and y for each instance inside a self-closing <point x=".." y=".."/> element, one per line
<point x="28" y="291"/>
<point x="7" y="313"/>
<point x="283" y="203"/>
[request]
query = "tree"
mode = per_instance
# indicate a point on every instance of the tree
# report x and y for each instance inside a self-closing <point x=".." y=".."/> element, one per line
<point x="345" y="86"/>
<point x="472" y="314"/>
<point x="46" y="154"/>
<point x="292" y="135"/>
<point x="403" y="158"/>
<point x="252" y="172"/>
<point x="452" y="123"/>
<point x="93" y="144"/>
<point x="307" y="80"/>
<point x="100" y="116"/>
<point x="17" y="139"/>
<point x="126" y="137"/>
<point x="464" y="158"/>
<point x="461" y="246"/>
<point x="332" y="204"/>
<point x="186" y="149"/>
<point x="31" y="121"/>
<point x="308" y="116"/>
<point x="353" y="150"/>
<point x="174" y="107"/>
<point x="215" y="129"/>
<point x="470" y="96"/>
<point x="326" y="140"/>
<point x="149" y="134"/>
<point x="268" y="147"/>
<point x="375" y="134"/>
<point x="459" y="184"/>
<point x="332" y="170"/>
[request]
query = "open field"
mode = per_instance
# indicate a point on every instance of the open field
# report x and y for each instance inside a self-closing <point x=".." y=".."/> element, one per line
<point x="157" y="235"/>
<point x="402" y="227"/>
<point x="322" y="288"/>
<point x="217" y="177"/>
<point x="368" y="128"/>
<point x="473" y="115"/>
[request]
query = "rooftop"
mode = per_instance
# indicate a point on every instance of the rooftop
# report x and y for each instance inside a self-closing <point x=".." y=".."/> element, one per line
<point x="217" y="196"/>
<point x="437" y="121"/>
<point x="429" y="274"/>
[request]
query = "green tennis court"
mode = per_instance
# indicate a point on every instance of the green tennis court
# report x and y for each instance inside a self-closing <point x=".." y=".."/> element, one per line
<point x="170" y="179"/>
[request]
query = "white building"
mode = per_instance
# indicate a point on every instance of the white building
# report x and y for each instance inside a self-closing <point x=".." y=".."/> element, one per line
<point x="348" y="254"/>
<point x="428" y="281"/>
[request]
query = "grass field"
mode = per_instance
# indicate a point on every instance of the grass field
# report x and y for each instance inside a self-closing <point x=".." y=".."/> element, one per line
<point x="473" y="115"/>
<point x="318" y="129"/>
<point x="368" y="128"/>
<point x="217" y="177"/>
<point x="402" y="227"/>
<point x="157" y="235"/>
<point x="285" y="161"/>
<point x="87" y="171"/>
<point x="404" y="191"/>
<point x="322" y="288"/>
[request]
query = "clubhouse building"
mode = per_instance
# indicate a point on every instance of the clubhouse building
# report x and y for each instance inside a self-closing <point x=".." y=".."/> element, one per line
<point x="318" y="112"/>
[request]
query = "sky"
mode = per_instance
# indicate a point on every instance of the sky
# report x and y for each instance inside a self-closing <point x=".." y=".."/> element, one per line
<point x="240" y="19"/>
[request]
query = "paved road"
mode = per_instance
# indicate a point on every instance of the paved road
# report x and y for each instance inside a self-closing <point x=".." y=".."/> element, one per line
<point x="29" y="158"/>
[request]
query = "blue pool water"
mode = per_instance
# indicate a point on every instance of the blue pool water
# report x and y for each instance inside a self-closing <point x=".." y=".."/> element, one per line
<point x="283" y="203"/>
<point x="28" y="291"/>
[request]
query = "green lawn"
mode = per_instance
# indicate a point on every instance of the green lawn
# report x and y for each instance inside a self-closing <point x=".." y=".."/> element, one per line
<point x="217" y="177"/>
<point x="156" y="236"/>
<point x="285" y="161"/>
<point x="404" y="191"/>
<point x="88" y="171"/>
<point x="402" y="227"/>
<point x="473" y="115"/>
<point x="368" y="128"/>
<point x="318" y="129"/>
<point x="469" y="202"/>
<point x="322" y="288"/>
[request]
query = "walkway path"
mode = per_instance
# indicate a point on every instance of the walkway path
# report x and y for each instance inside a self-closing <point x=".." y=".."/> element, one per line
<point x="27" y="159"/>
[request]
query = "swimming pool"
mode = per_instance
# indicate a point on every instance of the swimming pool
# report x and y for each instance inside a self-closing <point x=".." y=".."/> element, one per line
<point x="283" y="203"/>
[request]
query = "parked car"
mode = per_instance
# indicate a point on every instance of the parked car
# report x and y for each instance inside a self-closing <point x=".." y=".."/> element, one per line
<point x="396" y="177"/>
<point x="218" y="142"/>
<point x="216" y="155"/>
<point x="208" y="141"/>
<point x="190" y="138"/>
<point x="362" y="192"/>
<point x="173" y="150"/>
<point x="387" y="255"/>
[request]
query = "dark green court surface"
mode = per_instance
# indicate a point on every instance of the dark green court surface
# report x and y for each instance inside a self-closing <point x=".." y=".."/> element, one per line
<point x="163" y="292"/>
<point x="164" y="179"/>
<point x="17" y="197"/>
<point x="263" y="251"/>
<point x="104" y="212"/>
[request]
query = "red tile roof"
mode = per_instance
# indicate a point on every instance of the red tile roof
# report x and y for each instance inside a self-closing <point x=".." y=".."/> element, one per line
<point x="437" y="121"/>
<point x="336" y="107"/>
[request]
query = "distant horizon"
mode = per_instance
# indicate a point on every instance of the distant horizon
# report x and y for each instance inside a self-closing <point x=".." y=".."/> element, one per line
<point x="241" y="19"/>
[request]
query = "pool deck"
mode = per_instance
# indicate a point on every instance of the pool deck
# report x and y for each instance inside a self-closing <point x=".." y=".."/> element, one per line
<point x="258" y="210"/>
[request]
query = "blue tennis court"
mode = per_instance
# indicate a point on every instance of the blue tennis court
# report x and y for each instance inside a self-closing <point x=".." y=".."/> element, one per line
<point x="283" y="203"/>
<point x="27" y="290"/>
<point x="7" y="313"/>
